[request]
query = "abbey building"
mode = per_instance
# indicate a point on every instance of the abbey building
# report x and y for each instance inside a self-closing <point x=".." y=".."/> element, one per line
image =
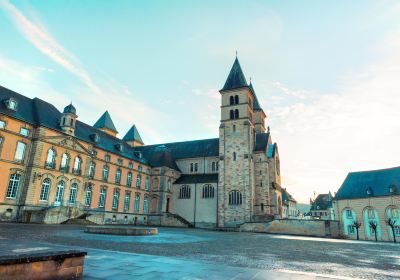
<point x="54" y="167"/>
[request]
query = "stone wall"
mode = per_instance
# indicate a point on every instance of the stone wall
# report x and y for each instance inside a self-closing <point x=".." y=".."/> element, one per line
<point x="296" y="227"/>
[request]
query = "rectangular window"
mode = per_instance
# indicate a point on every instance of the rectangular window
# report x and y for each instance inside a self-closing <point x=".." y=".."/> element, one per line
<point x="13" y="185"/>
<point x="350" y="228"/>
<point x="349" y="214"/>
<point x="120" y="162"/>
<point x="127" y="201"/>
<point x="2" y="124"/>
<point x="137" y="203"/>
<point x="107" y="158"/>
<point x="115" y="199"/>
<point x="24" y="131"/>
<point x="102" y="197"/>
<point x="397" y="230"/>
<point x="20" y="151"/>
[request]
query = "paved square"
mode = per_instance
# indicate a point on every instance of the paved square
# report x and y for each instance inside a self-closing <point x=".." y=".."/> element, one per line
<point x="200" y="254"/>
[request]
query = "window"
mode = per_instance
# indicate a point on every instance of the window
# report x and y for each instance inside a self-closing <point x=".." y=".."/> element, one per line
<point x="231" y="100"/>
<point x="213" y="166"/>
<point x="169" y="185"/>
<point x="12" y="104"/>
<point x="106" y="171"/>
<point x="236" y="99"/>
<point x="2" y="124"/>
<point x="20" y="151"/>
<point x="120" y="162"/>
<point x="107" y="158"/>
<point x="146" y="186"/>
<point x="235" y="198"/>
<point x="208" y="191"/>
<point x="127" y="201"/>
<point x="234" y="128"/>
<point x="1" y="143"/>
<point x="50" y="159"/>
<point x="13" y="185"/>
<point x="397" y="230"/>
<point x="77" y="166"/>
<point x="191" y="167"/>
<point x="371" y="213"/>
<point x="129" y="179"/>
<point x="44" y="192"/>
<point x="140" y="168"/>
<point x="236" y="113"/>
<point x="102" y="197"/>
<point x="350" y="229"/>
<point x="349" y="214"/>
<point x="232" y="114"/>
<point x="234" y="156"/>
<point x="115" y="199"/>
<point x="60" y="192"/>
<point x="184" y="192"/>
<point x="130" y="165"/>
<point x="24" y="131"/>
<point x="92" y="168"/>
<point x="118" y="176"/>
<point x="138" y="181"/>
<point x="73" y="192"/>
<point x="146" y="205"/>
<point x="88" y="198"/>
<point x="64" y="162"/>
<point x="137" y="203"/>
<point x="395" y="213"/>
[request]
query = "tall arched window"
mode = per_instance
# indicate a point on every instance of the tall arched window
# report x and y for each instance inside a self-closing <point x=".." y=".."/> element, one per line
<point x="13" y="185"/>
<point x="184" y="192"/>
<point x="88" y="197"/>
<point x="118" y="176"/>
<point x="236" y="113"/>
<point x="236" y="99"/>
<point x="138" y="181"/>
<point x="115" y="199"/>
<point x="51" y="158"/>
<point x="169" y="185"/>
<point x="44" y="192"/>
<point x="146" y="205"/>
<point x="208" y="191"/>
<point x="59" y="192"/>
<point x="146" y="186"/>
<point x="77" y="166"/>
<point x="129" y="179"/>
<point x="92" y="168"/>
<point x="73" y="192"/>
<point x="231" y="100"/>
<point x="106" y="171"/>
<point x="137" y="203"/>
<point x="235" y="198"/>
<point x="64" y="162"/>
<point x="232" y="114"/>
<point x="234" y="156"/>
<point x="102" y="197"/>
<point x="127" y="201"/>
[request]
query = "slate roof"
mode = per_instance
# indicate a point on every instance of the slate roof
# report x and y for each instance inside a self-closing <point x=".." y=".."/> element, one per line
<point x="322" y="202"/>
<point x="38" y="112"/>
<point x="197" y="179"/>
<point x="70" y="109"/>
<point x="236" y="78"/>
<point x="261" y="141"/>
<point x="133" y="135"/>
<point x="286" y="196"/>
<point x="105" y="121"/>
<point x="379" y="182"/>
<point x="161" y="156"/>
<point x="256" y="104"/>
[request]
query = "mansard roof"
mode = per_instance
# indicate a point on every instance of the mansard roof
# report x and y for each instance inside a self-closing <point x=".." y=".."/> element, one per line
<point x="105" y="121"/>
<point x="133" y="135"/>
<point x="261" y="142"/>
<point x="38" y="112"/>
<point x="197" y="179"/>
<point x="365" y="184"/>
<point x="322" y="202"/>
<point x="236" y="78"/>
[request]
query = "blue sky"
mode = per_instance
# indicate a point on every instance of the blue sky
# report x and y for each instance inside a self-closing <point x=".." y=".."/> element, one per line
<point x="325" y="72"/>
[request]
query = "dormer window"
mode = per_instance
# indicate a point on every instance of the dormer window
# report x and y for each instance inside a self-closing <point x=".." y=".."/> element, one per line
<point x="392" y="189"/>
<point x="138" y="154"/>
<point x="11" y="104"/>
<point x="119" y="147"/>
<point x="369" y="191"/>
<point x="95" y="137"/>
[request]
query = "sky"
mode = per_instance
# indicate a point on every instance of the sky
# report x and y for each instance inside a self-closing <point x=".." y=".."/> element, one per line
<point x="327" y="73"/>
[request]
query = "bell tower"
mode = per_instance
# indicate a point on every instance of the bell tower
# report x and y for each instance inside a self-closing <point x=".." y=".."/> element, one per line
<point x="236" y="145"/>
<point x="68" y="119"/>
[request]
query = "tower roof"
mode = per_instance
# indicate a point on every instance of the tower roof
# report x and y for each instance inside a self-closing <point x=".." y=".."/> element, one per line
<point x="236" y="78"/>
<point x="105" y="121"/>
<point x="70" y="109"/>
<point x="133" y="135"/>
<point x="256" y="104"/>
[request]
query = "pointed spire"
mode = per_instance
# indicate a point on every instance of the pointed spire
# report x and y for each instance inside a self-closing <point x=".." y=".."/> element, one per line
<point x="106" y="122"/>
<point x="236" y="78"/>
<point x="256" y="104"/>
<point x="133" y="135"/>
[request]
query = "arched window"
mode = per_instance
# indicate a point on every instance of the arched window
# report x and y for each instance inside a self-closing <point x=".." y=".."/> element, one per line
<point x="235" y="198"/>
<point x="231" y="100"/>
<point x="50" y="159"/>
<point x="393" y="213"/>
<point x="137" y="203"/>
<point x="88" y="198"/>
<point x="73" y="192"/>
<point x="102" y="197"/>
<point x="169" y="185"/>
<point x="208" y="191"/>
<point x="13" y="185"/>
<point x="64" y="162"/>
<point x="77" y="166"/>
<point x="236" y="99"/>
<point x="138" y="181"/>
<point x="234" y="156"/>
<point x="44" y="192"/>
<point x="146" y="186"/>
<point x="106" y="171"/>
<point x="184" y="192"/>
<point x="59" y="192"/>
<point x="118" y="176"/>
<point x="236" y="113"/>
<point x="129" y="179"/>
<point x="146" y="205"/>
<point x="92" y="168"/>
<point x="127" y="201"/>
<point x="232" y="114"/>
<point x="115" y="199"/>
